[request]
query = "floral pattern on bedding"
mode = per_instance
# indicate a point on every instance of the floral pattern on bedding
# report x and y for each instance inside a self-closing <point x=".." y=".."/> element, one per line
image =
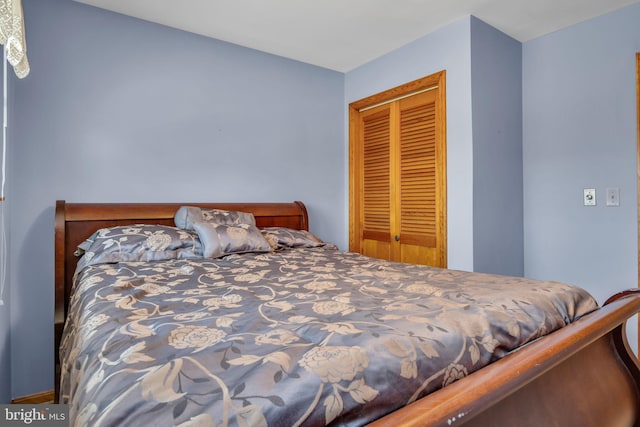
<point x="309" y="336"/>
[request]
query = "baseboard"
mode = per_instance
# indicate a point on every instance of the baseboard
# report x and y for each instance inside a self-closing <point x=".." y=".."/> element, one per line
<point x="42" y="397"/>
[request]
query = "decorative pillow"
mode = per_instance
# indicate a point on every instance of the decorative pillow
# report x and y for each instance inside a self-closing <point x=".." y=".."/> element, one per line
<point x="187" y="216"/>
<point x="224" y="239"/>
<point x="140" y="242"/>
<point x="283" y="237"/>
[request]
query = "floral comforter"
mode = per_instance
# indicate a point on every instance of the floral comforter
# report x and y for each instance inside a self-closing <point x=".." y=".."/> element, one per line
<point x="295" y="337"/>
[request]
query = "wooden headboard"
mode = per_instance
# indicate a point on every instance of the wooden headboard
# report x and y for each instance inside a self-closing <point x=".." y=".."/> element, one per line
<point x="74" y="222"/>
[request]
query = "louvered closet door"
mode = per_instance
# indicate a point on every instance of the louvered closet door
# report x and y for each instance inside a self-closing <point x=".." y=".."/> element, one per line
<point x="376" y="182"/>
<point x="398" y="174"/>
<point x="417" y="178"/>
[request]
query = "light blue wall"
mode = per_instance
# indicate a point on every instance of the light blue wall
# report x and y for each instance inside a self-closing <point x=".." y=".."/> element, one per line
<point x="5" y="319"/>
<point x="445" y="49"/>
<point x="5" y="354"/>
<point x="579" y="109"/>
<point x="5" y="343"/>
<point x="496" y="86"/>
<point x="117" y="109"/>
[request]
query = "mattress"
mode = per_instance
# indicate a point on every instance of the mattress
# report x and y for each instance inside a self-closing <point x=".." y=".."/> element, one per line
<point x="297" y="336"/>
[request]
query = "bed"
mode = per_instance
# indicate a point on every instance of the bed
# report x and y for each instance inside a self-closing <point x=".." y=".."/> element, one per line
<point x="304" y="334"/>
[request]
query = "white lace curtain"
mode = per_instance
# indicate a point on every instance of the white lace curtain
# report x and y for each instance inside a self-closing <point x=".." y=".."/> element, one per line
<point x="12" y="36"/>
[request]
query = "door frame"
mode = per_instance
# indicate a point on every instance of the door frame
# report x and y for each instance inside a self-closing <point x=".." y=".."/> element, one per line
<point x="436" y="80"/>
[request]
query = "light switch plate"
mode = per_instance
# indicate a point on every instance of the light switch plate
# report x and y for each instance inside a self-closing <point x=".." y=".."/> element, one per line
<point x="589" y="196"/>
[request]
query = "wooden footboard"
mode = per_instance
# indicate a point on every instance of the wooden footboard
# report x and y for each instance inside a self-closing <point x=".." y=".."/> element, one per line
<point x="582" y="375"/>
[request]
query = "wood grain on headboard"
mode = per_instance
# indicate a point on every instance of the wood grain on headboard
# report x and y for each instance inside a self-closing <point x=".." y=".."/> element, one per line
<point x="75" y="222"/>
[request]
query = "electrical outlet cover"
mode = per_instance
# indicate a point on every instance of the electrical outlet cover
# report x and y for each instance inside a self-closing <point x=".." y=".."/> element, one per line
<point x="613" y="196"/>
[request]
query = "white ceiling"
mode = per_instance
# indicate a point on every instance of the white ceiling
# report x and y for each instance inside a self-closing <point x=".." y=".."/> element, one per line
<point x="343" y="34"/>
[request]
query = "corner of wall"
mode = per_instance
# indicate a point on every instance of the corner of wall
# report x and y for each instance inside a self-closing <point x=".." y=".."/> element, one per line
<point x="496" y="102"/>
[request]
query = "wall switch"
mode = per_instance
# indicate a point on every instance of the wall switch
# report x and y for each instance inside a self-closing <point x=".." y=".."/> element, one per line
<point x="589" y="196"/>
<point x="613" y="196"/>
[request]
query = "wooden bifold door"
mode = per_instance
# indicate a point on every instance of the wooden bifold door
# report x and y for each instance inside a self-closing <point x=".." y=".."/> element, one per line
<point x="398" y="173"/>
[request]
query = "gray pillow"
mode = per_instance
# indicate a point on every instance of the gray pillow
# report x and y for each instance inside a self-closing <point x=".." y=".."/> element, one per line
<point x="282" y="237"/>
<point x="140" y="242"/>
<point x="223" y="239"/>
<point x="186" y="216"/>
